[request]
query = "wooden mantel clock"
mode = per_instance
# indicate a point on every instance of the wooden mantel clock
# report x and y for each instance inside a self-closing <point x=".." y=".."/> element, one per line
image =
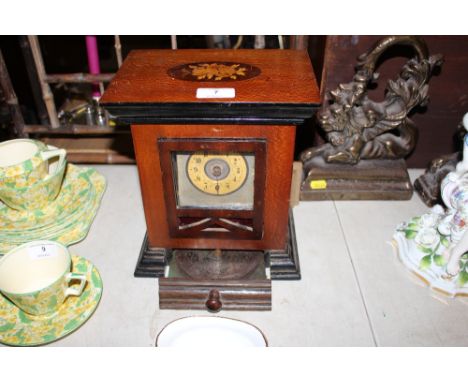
<point x="213" y="133"/>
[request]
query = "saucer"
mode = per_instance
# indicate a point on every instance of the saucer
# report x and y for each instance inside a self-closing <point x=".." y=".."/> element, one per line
<point x="71" y="196"/>
<point x="66" y="226"/>
<point x="21" y="329"/>
<point x="66" y="220"/>
<point x="210" y="332"/>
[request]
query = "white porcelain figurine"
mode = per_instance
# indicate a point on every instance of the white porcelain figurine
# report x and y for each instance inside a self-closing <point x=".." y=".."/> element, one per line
<point x="435" y="245"/>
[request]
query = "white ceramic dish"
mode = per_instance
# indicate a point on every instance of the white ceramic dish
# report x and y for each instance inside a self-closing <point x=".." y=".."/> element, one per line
<point x="210" y="332"/>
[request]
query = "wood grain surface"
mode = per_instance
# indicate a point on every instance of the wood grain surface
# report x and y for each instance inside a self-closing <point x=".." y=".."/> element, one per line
<point x="286" y="77"/>
<point x="180" y="293"/>
<point x="279" y="155"/>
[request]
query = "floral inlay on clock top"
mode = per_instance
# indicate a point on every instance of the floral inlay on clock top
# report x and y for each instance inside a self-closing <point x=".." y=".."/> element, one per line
<point x="214" y="71"/>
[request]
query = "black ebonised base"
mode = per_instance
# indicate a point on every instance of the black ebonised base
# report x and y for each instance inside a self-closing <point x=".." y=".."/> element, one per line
<point x="152" y="261"/>
<point x="284" y="265"/>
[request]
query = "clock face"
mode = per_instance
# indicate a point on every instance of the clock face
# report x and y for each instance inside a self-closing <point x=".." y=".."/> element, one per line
<point x="217" y="174"/>
<point x="214" y="188"/>
<point x="215" y="180"/>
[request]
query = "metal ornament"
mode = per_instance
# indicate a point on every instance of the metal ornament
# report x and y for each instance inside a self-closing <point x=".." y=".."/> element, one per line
<point x="358" y="128"/>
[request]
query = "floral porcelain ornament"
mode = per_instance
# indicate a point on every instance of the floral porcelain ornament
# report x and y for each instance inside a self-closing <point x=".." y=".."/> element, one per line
<point x="435" y="245"/>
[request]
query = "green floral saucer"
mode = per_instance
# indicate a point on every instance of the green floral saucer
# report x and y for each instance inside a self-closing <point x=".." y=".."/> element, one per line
<point x="66" y="220"/>
<point x="73" y="194"/>
<point x="21" y="329"/>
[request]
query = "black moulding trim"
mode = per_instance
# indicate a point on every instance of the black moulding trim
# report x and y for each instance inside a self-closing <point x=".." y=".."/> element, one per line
<point x="211" y="112"/>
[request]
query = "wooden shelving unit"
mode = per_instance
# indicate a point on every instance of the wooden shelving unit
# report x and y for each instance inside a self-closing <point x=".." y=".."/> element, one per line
<point x="84" y="143"/>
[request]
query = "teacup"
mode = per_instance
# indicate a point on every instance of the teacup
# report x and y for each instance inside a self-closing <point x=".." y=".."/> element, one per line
<point x="36" y="276"/>
<point x="25" y="180"/>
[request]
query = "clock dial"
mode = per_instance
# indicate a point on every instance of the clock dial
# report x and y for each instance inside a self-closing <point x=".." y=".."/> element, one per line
<point x="214" y="180"/>
<point x="214" y="189"/>
<point x="217" y="174"/>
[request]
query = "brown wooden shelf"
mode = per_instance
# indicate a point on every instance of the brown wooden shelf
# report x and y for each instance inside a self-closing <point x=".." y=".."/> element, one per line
<point x="75" y="129"/>
<point x="78" y="78"/>
<point x="117" y="149"/>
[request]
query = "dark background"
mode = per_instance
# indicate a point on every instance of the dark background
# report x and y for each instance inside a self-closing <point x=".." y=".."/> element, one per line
<point x="333" y="58"/>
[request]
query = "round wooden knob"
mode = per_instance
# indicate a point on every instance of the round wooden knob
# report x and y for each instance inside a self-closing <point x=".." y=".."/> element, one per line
<point x="214" y="303"/>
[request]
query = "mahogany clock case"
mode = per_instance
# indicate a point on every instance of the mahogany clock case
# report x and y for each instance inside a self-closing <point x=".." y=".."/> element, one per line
<point x="156" y="92"/>
<point x="274" y="147"/>
<point x="146" y="89"/>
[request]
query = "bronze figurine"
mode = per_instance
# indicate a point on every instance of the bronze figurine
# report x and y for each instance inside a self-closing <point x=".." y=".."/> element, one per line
<point x="358" y="128"/>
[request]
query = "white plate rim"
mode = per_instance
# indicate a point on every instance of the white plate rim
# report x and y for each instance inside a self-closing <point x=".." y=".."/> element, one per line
<point x="218" y="317"/>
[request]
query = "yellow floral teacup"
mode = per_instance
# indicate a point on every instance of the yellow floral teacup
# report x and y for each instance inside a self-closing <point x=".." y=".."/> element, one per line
<point x="36" y="277"/>
<point x="24" y="173"/>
